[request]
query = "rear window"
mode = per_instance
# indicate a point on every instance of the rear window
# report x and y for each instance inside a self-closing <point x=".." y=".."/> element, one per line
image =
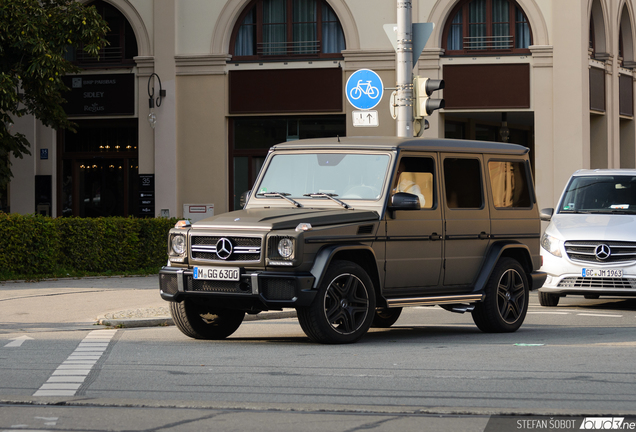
<point x="509" y="184"/>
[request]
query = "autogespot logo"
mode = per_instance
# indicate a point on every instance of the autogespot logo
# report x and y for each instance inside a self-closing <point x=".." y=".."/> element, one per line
<point x="224" y="248"/>
<point x="607" y="423"/>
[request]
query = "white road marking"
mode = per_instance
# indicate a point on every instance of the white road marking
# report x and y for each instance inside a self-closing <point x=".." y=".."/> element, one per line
<point x="550" y="313"/>
<point x="17" y="342"/>
<point x="600" y="315"/>
<point x="70" y="375"/>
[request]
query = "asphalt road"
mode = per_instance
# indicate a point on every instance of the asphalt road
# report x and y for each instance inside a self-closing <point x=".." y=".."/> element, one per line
<point x="434" y="370"/>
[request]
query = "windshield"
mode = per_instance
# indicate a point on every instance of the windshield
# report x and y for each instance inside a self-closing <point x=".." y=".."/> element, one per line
<point x="600" y="194"/>
<point x="346" y="176"/>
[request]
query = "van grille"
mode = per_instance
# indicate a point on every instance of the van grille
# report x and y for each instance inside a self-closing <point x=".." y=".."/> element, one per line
<point x="585" y="251"/>
<point x="598" y="283"/>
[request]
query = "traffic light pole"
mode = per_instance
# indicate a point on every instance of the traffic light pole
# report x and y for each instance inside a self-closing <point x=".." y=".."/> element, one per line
<point x="404" y="73"/>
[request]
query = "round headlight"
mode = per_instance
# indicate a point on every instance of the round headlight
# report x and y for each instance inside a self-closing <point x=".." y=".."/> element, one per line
<point x="286" y="248"/>
<point x="178" y="244"/>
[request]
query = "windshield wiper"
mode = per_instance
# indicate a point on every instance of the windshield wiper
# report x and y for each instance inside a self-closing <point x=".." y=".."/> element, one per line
<point x="283" y="195"/>
<point x="330" y="196"/>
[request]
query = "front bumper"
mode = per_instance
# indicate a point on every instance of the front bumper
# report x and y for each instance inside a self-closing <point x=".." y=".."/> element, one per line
<point x="566" y="277"/>
<point x="256" y="290"/>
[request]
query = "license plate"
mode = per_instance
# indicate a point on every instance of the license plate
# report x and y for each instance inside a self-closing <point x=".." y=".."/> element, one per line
<point x="608" y="273"/>
<point x="216" y="273"/>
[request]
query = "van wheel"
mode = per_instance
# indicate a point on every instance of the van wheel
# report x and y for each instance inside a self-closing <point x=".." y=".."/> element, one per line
<point x="547" y="299"/>
<point x="198" y="321"/>
<point x="507" y="296"/>
<point x="385" y="318"/>
<point x="343" y="308"/>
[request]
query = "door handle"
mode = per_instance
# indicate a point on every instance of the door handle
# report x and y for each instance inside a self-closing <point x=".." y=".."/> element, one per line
<point x="484" y="235"/>
<point x="435" y="236"/>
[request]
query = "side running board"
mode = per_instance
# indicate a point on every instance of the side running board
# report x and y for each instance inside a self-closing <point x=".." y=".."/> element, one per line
<point x="436" y="300"/>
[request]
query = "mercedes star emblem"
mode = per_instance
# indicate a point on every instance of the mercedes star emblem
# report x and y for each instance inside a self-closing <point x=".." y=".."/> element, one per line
<point x="224" y="248"/>
<point x="602" y="251"/>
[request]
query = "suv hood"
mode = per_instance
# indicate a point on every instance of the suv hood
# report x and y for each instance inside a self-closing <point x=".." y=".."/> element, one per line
<point x="593" y="227"/>
<point x="284" y="218"/>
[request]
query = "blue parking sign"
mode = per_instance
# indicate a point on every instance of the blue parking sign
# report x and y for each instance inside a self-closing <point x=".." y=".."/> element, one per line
<point x="364" y="89"/>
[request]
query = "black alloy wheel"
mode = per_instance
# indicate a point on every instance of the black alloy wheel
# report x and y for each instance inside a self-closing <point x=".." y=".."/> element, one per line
<point x="343" y="308"/>
<point x="507" y="295"/>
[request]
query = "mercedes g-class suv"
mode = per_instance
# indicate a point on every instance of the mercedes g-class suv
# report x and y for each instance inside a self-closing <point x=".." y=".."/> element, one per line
<point x="348" y="231"/>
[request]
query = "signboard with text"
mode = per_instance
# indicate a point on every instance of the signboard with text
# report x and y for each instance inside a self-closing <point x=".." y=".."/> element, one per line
<point x="100" y="95"/>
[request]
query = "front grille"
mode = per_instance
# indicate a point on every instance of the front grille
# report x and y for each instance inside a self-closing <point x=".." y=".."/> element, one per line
<point x="168" y="283"/>
<point x="598" y="283"/>
<point x="231" y="287"/>
<point x="584" y="251"/>
<point x="243" y="248"/>
<point x="277" y="289"/>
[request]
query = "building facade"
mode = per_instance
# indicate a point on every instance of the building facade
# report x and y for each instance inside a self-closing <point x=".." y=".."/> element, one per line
<point x="176" y="116"/>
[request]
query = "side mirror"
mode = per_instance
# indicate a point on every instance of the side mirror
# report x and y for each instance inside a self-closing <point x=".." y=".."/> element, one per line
<point x="404" y="201"/>
<point x="546" y="214"/>
<point x="244" y="197"/>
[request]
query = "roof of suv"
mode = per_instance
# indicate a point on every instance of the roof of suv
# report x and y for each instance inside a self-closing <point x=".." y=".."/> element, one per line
<point x="413" y="144"/>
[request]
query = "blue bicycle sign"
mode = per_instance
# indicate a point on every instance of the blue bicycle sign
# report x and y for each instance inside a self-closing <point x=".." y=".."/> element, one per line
<point x="364" y="89"/>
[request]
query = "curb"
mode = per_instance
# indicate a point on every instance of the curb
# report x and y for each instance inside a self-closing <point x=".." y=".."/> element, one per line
<point x="168" y="321"/>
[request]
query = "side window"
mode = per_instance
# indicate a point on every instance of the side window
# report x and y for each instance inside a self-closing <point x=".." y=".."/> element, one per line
<point x="416" y="175"/>
<point x="462" y="179"/>
<point x="509" y="184"/>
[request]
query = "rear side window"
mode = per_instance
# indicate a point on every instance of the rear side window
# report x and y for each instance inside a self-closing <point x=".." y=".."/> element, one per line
<point x="462" y="180"/>
<point x="509" y="184"/>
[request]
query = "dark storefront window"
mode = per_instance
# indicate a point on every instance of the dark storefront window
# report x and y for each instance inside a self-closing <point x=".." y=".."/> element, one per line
<point x="251" y="138"/>
<point x="100" y="169"/>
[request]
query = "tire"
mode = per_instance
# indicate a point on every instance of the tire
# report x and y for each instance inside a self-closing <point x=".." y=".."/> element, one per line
<point x="547" y="299"/>
<point x="385" y="318"/>
<point x="507" y="297"/>
<point x="198" y="321"/>
<point x="343" y="308"/>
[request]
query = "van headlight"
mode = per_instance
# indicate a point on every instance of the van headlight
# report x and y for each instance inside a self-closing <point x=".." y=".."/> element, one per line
<point x="551" y="244"/>
<point x="281" y="250"/>
<point x="178" y="243"/>
<point x="286" y="248"/>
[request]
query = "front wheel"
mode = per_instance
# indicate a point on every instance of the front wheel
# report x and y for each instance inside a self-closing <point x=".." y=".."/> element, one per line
<point x="198" y="321"/>
<point x="547" y="299"/>
<point x="343" y="308"/>
<point x="507" y="296"/>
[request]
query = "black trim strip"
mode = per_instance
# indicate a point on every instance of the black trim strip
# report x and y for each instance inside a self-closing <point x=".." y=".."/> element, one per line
<point x="340" y="239"/>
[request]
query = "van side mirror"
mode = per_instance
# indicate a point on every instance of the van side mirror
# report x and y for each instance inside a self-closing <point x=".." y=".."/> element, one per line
<point x="404" y="201"/>
<point x="546" y="214"/>
<point x="244" y="197"/>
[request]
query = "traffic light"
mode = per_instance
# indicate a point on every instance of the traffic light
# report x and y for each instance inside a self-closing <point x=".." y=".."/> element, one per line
<point x="422" y="89"/>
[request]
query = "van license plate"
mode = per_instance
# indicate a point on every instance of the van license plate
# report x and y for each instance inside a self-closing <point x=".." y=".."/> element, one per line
<point x="216" y="273"/>
<point x="608" y="273"/>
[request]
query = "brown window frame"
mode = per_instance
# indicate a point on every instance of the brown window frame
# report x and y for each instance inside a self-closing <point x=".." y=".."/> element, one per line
<point x="257" y="5"/>
<point x="512" y="27"/>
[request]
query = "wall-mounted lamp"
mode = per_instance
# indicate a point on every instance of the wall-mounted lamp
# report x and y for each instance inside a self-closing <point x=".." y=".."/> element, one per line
<point x="152" y="118"/>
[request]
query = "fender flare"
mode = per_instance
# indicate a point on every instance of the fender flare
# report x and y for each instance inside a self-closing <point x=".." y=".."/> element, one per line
<point x="325" y="256"/>
<point x="494" y="254"/>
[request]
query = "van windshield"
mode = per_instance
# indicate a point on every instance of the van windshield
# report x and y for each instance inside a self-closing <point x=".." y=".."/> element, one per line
<point x="308" y="175"/>
<point x="600" y="194"/>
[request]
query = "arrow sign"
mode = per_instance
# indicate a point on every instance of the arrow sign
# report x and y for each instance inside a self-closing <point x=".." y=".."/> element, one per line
<point x="17" y="342"/>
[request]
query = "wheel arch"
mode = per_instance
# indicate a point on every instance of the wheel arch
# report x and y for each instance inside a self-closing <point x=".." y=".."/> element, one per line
<point x="360" y="254"/>
<point x="510" y="249"/>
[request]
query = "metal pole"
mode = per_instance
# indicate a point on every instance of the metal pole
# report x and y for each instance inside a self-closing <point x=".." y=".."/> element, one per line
<point x="404" y="71"/>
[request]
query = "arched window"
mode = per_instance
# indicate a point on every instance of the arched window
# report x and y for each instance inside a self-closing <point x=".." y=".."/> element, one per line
<point x="122" y="44"/>
<point x="487" y="27"/>
<point x="271" y="29"/>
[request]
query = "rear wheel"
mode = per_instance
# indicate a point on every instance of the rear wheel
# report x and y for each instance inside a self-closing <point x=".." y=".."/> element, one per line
<point x="506" y="303"/>
<point x="200" y="321"/>
<point x="547" y="299"/>
<point x="385" y="318"/>
<point x="343" y="308"/>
